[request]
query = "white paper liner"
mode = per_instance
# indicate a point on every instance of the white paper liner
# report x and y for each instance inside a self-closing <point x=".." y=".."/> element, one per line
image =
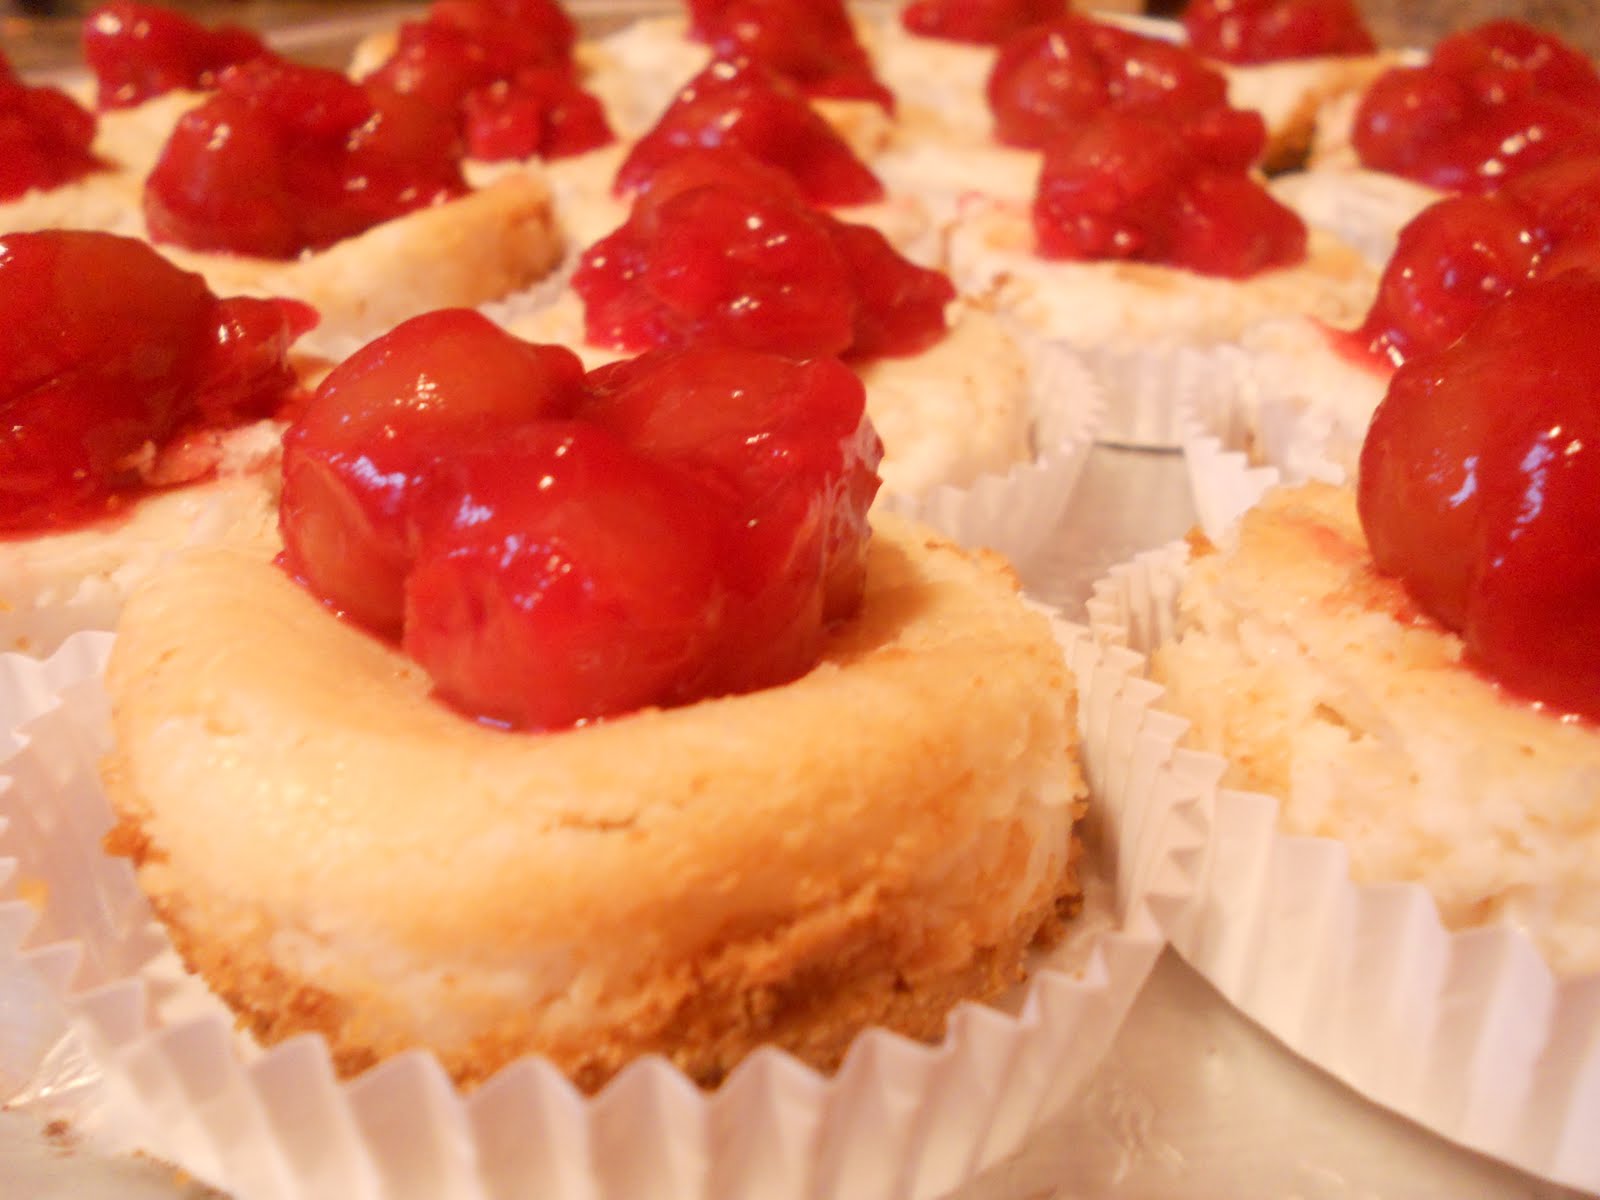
<point x="1017" y="512"/>
<point x="898" y="1119"/>
<point x="1241" y="438"/>
<point x="1468" y="1034"/>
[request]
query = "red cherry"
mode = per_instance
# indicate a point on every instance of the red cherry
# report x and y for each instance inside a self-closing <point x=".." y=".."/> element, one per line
<point x="1479" y="481"/>
<point x="1562" y="197"/>
<point x="1131" y="187"/>
<point x="45" y="137"/>
<point x="900" y="307"/>
<point x="1258" y="31"/>
<point x="812" y="43"/>
<point x="1043" y="81"/>
<point x="984" y="22"/>
<point x="1494" y="102"/>
<point x="286" y="158"/>
<point x="788" y="442"/>
<point x="1451" y="261"/>
<point x="538" y="112"/>
<point x="377" y="423"/>
<point x="740" y="105"/>
<point x="138" y="51"/>
<point x="108" y="351"/>
<point x="561" y="576"/>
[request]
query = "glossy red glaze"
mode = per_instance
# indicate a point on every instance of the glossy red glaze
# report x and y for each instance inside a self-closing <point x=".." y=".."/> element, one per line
<point x="45" y="137"/>
<point x="1051" y="77"/>
<point x="1134" y="188"/>
<point x="1494" y="102"/>
<point x="540" y="112"/>
<point x="1260" y="31"/>
<point x="375" y="427"/>
<point x="812" y="43"/>
<point x="556" y="548"/>
<point x="464" y="45"/>
<point x="287" y="158"/>
<point x="982" y="22"/>
<point x="140" y="51"/>
<point x="721" y="249"/>
<point x="561" y="575"/>
<point x="108" y="353"/>
<point x="1479" y="482"/>
<point x="739" y="105"/>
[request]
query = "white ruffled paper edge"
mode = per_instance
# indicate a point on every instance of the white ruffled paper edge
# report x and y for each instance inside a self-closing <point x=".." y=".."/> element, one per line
<point x="1468" y="1034"/>
<point x="899" y="1119"/>
<point x="1019" y="511"/>
<point x="1145" y="387"/>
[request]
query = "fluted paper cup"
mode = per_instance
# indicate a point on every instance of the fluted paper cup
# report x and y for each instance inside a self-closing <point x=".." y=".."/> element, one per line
<point x="1468" y="1033"/>
<point x="899" y="1118"/>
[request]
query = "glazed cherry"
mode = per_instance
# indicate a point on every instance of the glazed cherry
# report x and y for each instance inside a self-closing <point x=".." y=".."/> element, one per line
<point x="722" y="249"/>
<point x="1451" y="261"/>
<point x="110" y="353"/>
<point x="539" y="112"/>
<point x="787" y="443"/>
<point x="741" y="105"/>
<point x="561" y="576"/>
<point x="1479" y="482"/>
<point x="1052" y="76"/>
<point x="45" y="137"/>
<point x="139" y="51"/>
<point x="809" y="42"/>
<point x="1493" y="102"/>
<point x="376" y="425"/>
<point x="982" y="22"/>
<point x="287" y="158"/>
<point x="1135" y="188"/>
<point x="1259" y="31"/>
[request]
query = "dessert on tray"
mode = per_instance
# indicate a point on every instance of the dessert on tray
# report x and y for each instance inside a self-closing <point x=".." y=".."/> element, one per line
<point x="143" y="415"/>
<point x="554" y="727"/>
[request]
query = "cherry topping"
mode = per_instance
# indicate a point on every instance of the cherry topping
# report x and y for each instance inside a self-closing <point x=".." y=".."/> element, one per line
<point x="45" y="137"/>
<point x="109" y="353"/>
<point x="1259" y="31"/>
<point x="561" y="576"/>
<point x="1479" y="482"/>
<point x="286" y="158"/>
<point x="537" y="112"/>
<point x="377" y="424"/>
<point x="1494" y="102"/>
<point x="723" y="249"/>
<point x="983" y="22"/>
<point x="1052" y="76"/>
<point x="138" y="51"/>
<point x="743" y="106"/>
<point x="1129" y="187"/>
<point x="809" y="42"/>
<point x="555" y="548"/>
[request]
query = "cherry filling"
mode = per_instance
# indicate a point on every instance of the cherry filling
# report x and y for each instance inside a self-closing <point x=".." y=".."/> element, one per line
<point x="723" y="249"/>
<point x="139" y="51"/>
<point x="1125" y="186"/>
<point x="1493" y="102"/>
<point x="1458" y="256"/>
<point x="45" y="137"/>
<point x="554" y="547"/>
<point x="109" y="356"/>
<point x="287" y="158"/>
<point x="1480" y="480"/>
<point x="1260" y="31"/>
<point x="1051" y="77"/>
<point x="982" y="22"/>
<point x="505" y="68"/>
<point x="740" y="105"/>
<point x="809" y="42"/>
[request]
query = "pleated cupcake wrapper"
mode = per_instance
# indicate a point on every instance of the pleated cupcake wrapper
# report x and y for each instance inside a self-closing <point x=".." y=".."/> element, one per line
<point x="39" y="625"/>
<point x="1242" y="438"/>
<point x="1467" y="1033"/>
<point x="171" y="1077"/>
<point x="1144" y="384"/>
<point x="1019" y="511"/>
